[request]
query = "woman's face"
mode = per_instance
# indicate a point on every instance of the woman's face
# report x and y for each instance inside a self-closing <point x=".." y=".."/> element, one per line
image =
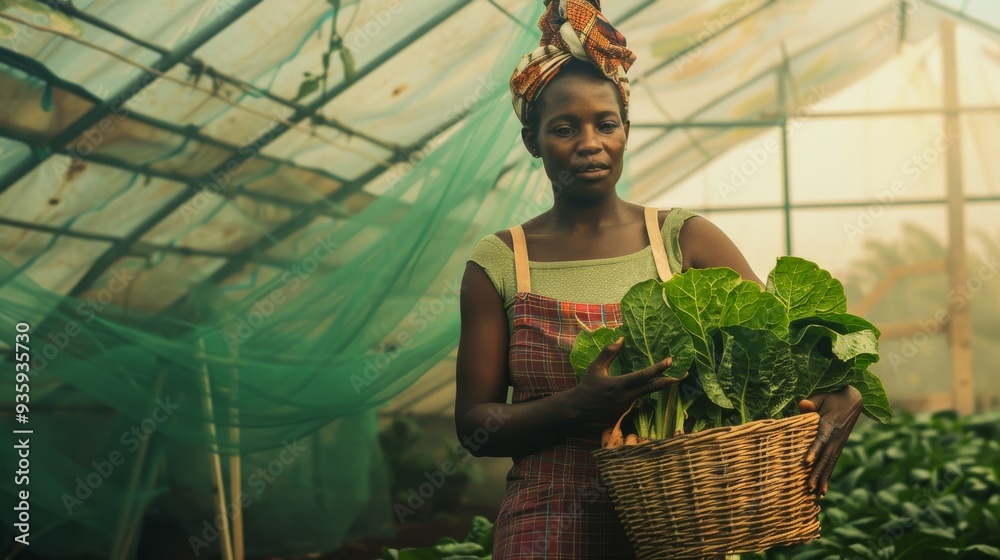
<point x="580" y="135"/>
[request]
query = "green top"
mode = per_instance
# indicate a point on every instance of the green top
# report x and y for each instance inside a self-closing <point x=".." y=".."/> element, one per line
<point x="583" y="281"/>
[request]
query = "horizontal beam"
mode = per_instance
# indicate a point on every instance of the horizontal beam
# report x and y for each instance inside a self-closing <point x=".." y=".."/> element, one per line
<point x="173" y="176"/>
<point x="850" y="204"/>
<point x="140" y="248"/>
<point x="767" y="123"/>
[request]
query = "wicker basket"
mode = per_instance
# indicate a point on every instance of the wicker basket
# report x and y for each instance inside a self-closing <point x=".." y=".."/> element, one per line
<point x="721" y="491"/>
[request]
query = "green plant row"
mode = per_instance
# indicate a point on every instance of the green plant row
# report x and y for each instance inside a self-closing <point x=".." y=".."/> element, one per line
<point x="478" y="545"/>
<point x="920" y="488"/>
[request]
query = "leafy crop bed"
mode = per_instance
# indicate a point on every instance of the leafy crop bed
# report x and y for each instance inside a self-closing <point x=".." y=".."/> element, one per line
<point x="920" y="488"/>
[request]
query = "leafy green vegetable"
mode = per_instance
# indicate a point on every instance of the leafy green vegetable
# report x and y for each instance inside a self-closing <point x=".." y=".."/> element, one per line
<point x="653" y="331"/>
<point x="757" y="372"/>
<point x="478" y="545"/>
<point x="873" y="396"/>
<point x="753" y="353"/>
<point x="748" y="306"/>
<point x="921" y="487"/>
<point x="588" y="345"/>
<point x="481" y="533"/>
<point x="805" y="289"/>
<point x="698" y="298"/>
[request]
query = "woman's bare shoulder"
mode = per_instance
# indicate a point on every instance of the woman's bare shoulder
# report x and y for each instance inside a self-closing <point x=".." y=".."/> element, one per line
<point x="705" y="245"/>
<point x="529" y="227"/>
<point x="505" y="236"/>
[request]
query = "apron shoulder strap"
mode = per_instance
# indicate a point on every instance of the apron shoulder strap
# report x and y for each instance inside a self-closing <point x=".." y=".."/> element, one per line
<point x="521" y="260"/>
<point x="656" y="244"/>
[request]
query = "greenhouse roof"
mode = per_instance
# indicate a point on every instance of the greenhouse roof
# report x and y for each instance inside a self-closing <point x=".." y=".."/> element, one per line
<point x="205" y="142"/>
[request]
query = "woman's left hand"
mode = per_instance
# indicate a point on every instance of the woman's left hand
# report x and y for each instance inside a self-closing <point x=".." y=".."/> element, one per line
<point x="838" y="413"/>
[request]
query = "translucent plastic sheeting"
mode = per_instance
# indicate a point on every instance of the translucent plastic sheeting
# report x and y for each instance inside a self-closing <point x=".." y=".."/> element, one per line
<point x="866" y="191"/>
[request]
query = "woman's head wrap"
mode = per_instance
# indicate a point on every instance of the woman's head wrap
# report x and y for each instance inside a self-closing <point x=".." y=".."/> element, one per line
<point x="570" y="29"/>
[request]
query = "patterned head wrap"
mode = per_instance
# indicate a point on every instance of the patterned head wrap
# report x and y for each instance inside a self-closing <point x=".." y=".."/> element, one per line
<point x="570" y="29"/>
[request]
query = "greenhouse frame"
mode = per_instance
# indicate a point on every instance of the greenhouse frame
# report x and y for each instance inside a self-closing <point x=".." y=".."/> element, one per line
<point x="235" y="231"/>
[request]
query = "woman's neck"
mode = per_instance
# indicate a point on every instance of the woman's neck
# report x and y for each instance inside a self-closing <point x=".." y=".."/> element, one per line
<point x="570" y="214"/>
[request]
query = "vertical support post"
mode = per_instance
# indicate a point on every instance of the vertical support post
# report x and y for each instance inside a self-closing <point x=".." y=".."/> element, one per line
<point x="786" y="193"/>
<point x="215" y="463"/>
<point x="786" y="189"/>
<point x="960" y="327"/>
<point x="235" y="460"/>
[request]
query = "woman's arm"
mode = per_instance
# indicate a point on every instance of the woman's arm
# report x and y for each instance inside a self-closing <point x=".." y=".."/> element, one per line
<point x="704" y="245"/>
<point x="487" y="426"/>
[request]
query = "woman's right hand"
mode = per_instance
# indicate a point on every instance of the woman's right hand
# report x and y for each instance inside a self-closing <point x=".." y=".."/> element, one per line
<point x="600" y="400"/>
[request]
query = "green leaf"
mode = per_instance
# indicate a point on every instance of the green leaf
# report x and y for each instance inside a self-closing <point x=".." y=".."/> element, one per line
<point x="308" y="86"/>
<point x="850" y="336"/>
<point x="862" y="550"/>
<point x="805" y="289"/>
<point x="985" y="549"/>
<point x="698" y="297"/>
<point x="814" y="360"/>
<point x="873" y="397"/>
<point x="455" y="549"/>
<point x="588" y="345"/>
<point x="481" y="533"/>
<point x="836" y="516"/>
<point x="757" y="372"/>
<point x="652" y="331"/>
<point x="849" y="532"/>
<point x="749" y="306"/>
<point x="347" y="59"/>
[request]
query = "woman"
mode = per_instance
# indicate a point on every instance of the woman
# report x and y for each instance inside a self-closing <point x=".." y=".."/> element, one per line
<point x="520" y="315"/>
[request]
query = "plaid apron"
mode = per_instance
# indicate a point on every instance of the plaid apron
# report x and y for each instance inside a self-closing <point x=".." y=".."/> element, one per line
<point x="555" y="505"/>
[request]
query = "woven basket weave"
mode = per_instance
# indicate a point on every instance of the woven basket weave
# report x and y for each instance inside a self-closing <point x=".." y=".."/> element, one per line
<point x="720" y="491"/>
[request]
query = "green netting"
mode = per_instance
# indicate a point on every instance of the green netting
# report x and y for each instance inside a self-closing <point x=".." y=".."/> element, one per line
<point x="133" y="415"/>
